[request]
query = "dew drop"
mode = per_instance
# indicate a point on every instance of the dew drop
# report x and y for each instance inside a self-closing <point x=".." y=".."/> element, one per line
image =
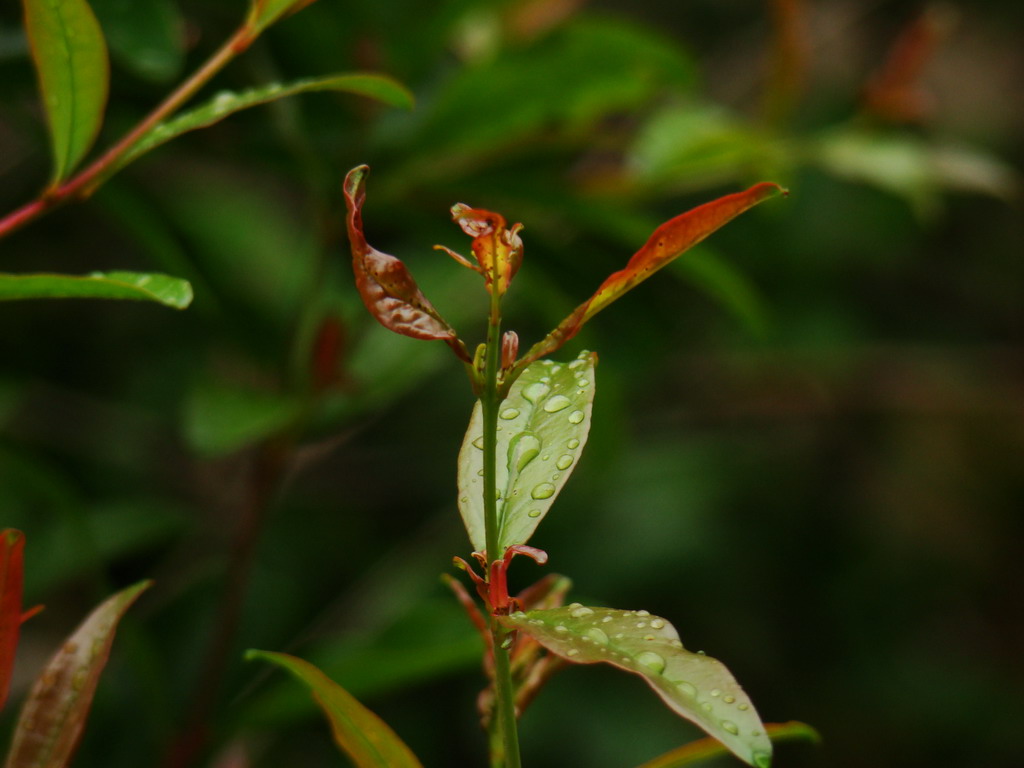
<point x="464" y="500"/>
<point x="479" y="443"/>
<point x="743" y="707"/>
<point x="480" y="473"/>
<point x="728" y="699"/>
<point x="509" y="413"/>
<point x="643" y="613"/>
<point x="561" y="628"/>
<point x="706" y="706"/>
<point x="580" y="611"/>
<point x="572" y="652"/>
<point x="641" y="624"/>
<point x="533" y="513"/>
<point x="657" y="623"/>
<point x="543" y="491"/>
<point x="536" y="391"/>
<point x="564" y="461"/>
<point x="730" y="727"/>
<point x="557" y="403"/>
<point x="715" y="692"/>
<point x="524" y="448"/>
<point x="606" y="619"/>
<point x="597" y="635"/>
<point x="573" y="444"/>
<point x="652" y="661"/>
<point x="507" y="642"/>
<point x="688" y="688"/>
<point x="576" y="417"/>
<point x="582" y="383"/>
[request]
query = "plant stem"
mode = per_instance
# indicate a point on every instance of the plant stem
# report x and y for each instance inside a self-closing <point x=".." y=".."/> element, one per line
<point x="504" y="716"/>
<point x="84" y="184"/>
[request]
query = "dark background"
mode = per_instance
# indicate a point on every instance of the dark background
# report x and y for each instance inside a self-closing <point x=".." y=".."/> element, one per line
<point x="808" y="434"/>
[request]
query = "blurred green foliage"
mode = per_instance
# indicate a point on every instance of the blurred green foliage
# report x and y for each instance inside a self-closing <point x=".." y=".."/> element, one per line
<point x="807" y="437"/>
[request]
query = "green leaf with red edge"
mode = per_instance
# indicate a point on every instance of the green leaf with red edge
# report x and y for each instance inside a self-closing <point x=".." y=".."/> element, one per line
<point x="387" y="289"/>
<point x="70" y="57"/>
<point x="263" y="13"/>
<point x="364" y="737"/>
<point x="703" y="749"/>
<point x="226" y="103"/>
<point x="693" y="685"/>
<point x="54" y="715"/>
<point x="12" y="545"/>
<point x="668" y="242"/>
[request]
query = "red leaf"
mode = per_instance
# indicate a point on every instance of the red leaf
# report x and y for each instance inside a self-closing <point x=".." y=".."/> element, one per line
<point x="12" y="544"/>
<point x="669" y="241"/>
<point x="388" y="290"/>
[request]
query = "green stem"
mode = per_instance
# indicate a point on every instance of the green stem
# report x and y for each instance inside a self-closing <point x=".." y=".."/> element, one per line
<point x="84" y="183"/>
<point x="504" y="715"/>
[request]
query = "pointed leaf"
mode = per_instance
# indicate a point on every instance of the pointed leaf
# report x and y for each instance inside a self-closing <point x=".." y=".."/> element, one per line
<point x="387" y="289"/>
<point x="698" y="751"/>
<point x="225" y="103"/>
<point x="263" y="13"/>
<point x="70" y="57"/>
<point x="497" y="250"/>
<point x="543" y="426"/>
<point x="54" y="715"/>
<point x="693" y="685"/>
<point x="162" y="289"/>
<point x="668" y="242"/>
<point x="12" y="544"/>
<point x="367" y="739"/>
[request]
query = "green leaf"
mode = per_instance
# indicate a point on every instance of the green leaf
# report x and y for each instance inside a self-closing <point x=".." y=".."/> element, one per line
<point x="543" y="426"/>
<point x="263" y="13"/>
<point x="367" y="739"/>
<point x="697" y="751"/>
<point x="146" y="37"/>
<point x="693" y="685"/>
<point x="54" y="715"/>
<point x="379" y="87"/>
<point x="70" y="57"/>
<point x="138" y="286"/>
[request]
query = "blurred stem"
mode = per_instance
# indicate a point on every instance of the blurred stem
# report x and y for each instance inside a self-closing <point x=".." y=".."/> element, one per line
<point x="504" y="736"/>
<point x="269" y="463"/>
<point x="82" y="185"/>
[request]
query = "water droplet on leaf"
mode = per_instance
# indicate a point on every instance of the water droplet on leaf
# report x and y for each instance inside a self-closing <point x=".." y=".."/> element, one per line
<point x="479" y="443"/>
<point x="564" y="461"/>
<point x="652" y="661"/>
<point x="576" y="417"/>
<point x="557" y="403"/>
<point x="580" y="611"/>
<point x="509" y="413"/>
<point x="536" y="391"/>
<point x="597" y="635"/>
<point x="573" y="444"/>
<point x="730" y="727"/>
<point x="543" y="491"/>
<point x="533" y="513"/>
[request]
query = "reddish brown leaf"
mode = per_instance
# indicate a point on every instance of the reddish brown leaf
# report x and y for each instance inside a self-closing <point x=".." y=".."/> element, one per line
<point x="669" y="241"/>
<point x="12" y="544"/>
<point x="388" y="290"/>
<point x="896" y="93"/>
<point x="54" y="715"/>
